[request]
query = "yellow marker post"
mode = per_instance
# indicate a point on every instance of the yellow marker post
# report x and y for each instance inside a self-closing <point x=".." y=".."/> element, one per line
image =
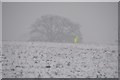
<point x="76" y="39"/>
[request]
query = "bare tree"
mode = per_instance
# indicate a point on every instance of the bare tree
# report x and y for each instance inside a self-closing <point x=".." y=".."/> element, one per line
<point x="53" y="28"/>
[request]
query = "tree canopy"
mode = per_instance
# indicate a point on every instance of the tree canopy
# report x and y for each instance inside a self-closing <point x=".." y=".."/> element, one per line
<point x="53" y="28"/>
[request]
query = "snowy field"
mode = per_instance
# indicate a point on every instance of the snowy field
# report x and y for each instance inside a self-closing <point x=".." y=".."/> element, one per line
<point x="0" y="60"/>
<point x="55" y="60"/>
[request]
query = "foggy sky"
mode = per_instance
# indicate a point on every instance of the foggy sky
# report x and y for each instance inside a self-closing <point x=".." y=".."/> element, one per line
<point x="0" y="21"/>
<point x="99" y="21"/>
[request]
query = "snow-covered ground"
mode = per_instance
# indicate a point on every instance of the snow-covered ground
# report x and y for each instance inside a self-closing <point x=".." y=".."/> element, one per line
<point x="56" y="60"/>
<point x="0" y="60"/>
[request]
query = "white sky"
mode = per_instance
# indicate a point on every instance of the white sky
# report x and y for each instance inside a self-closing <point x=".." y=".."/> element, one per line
<point x="99" y="21"/>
